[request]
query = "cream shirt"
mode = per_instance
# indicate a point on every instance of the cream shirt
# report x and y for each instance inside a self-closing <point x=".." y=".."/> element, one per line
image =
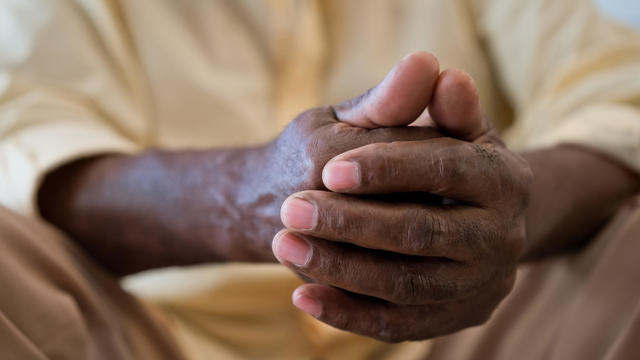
<point x="85" y="77"/>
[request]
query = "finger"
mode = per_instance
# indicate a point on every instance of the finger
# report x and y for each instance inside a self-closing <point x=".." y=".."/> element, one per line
<point x="367" y="316"/>
<point x="329" y="137"/>
<point x="399" y="99"/>
<point x="339" y="137"/>
<point x="455" y="106"/>
<point x="389" y="276"/>
<point x="442" y="166"/>
<point x="324" y="119"/>
<point x="454" y="232"/>
<point x="370" y="317"/>
<point x="392" y="322"/>
<point x="356" y="136"/>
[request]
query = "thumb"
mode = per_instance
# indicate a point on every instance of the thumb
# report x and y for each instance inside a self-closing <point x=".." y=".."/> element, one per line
<point x="455" y="106"/>
<point x="399" y="99"/>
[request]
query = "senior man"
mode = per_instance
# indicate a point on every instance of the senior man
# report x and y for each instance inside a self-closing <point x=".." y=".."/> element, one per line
<point x="146" y="132"/>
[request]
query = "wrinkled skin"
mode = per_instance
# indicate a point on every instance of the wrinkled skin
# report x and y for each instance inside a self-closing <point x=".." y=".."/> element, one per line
<point x="384" y="255"/>
<point x="187" y="207"/>
<point x="400" y="268"/>
<point x="411" y="270"/>
<point x="294" y="162"/>
<point x="198" y="206"/>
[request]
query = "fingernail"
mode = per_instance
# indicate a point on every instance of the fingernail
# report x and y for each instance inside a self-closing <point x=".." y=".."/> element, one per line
<point x="298" y="214"/>
<point x="341" y="175"/>
<point x="307" y="304"/>
<point x="292" y="249"/>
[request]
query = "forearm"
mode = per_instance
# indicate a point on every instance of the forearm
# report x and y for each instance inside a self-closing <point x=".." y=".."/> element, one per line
<point x="575" y="190"/>
<point x="158" y="209"/>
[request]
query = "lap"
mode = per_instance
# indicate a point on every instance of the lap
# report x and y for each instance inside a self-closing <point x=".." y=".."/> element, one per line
<point x="583" y="305"/>
<point x="56" y="303"/>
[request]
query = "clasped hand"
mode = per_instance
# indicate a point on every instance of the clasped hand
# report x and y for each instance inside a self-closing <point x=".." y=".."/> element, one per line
<point x="384" y="258"/>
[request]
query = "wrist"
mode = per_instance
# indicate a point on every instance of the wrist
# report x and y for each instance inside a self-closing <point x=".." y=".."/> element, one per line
<point x="250" y="197"/>
<point x="575" y="190"/>
<point x="218" y="201"/>
<point x="172" y="207"/>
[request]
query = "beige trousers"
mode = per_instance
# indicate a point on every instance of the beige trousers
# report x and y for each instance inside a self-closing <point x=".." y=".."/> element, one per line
<point x="584" y="305"/>
<point x="55" y="303"/>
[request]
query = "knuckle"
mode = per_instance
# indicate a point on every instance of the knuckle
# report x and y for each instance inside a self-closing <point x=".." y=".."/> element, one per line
<point x="311" y="130"/>
<point x="325" y="264"/>
<point x="433" y="229"/>
<point x="378" y="162"/>
<point x="343" y="320"/>
<point x="492" y="163"/>
<point x="473" y="238"/>
<point x="313" y="117"/>
<point x="488" y="153"/>
<point x="404" y="288"/>
<point x="448" y="169"/>
<point x="386" y="330"/>
<point x="419" y="232"/>
<point x="300" y="151"/>
<point x="376" y="165"/>
<point x="413" y="287"/>
<point x="308" y="121"/>
<point x="444" y="290"/>
<point x="314" y="157"/>
<point x="335" y="221"/>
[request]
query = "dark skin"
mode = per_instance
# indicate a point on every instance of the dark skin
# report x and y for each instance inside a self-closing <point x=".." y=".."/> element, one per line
<point x="188" y="207"/>
<point x="385" y="261"/>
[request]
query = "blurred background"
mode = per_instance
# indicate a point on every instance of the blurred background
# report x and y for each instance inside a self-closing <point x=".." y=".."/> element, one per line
<point x="627" y="11"/>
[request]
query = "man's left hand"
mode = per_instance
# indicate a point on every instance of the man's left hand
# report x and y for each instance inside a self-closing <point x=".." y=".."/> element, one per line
<point x="406" y="270"/>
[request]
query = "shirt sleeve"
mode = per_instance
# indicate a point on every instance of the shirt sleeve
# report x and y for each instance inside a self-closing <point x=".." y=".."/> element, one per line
<point x="571" y="74"/>
<point x="68" y="89"/>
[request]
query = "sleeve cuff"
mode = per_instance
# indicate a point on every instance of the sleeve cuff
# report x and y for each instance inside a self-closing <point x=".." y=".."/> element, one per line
<point x="613" y="129"/>
<point x="29" y="154"/>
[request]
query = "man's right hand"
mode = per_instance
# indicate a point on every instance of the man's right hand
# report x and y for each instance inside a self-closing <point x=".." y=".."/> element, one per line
<point x="164" y="208"/>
